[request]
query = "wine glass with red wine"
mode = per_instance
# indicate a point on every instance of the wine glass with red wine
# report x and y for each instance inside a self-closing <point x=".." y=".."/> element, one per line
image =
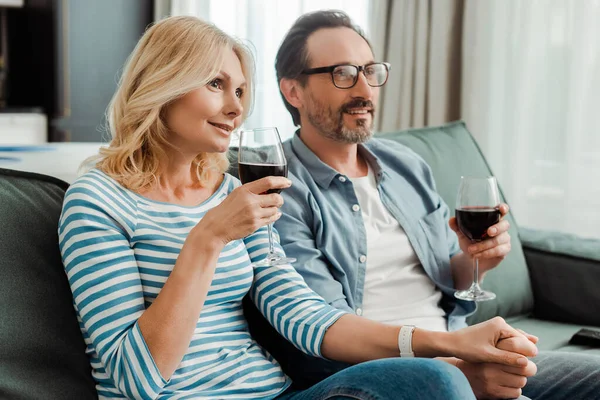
<point x="477" y="208"/>
<point x="261" y="155"/>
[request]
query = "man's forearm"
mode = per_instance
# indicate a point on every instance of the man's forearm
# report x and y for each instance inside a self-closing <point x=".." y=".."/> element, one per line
<point x="462" y="271"/>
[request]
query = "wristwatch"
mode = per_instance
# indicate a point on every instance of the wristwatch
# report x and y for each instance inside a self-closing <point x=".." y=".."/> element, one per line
<point x="405" y="341"/>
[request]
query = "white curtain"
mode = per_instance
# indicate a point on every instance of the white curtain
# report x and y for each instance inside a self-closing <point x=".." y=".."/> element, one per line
<point x="531" y="96"/>
<point x="263" y="24"/>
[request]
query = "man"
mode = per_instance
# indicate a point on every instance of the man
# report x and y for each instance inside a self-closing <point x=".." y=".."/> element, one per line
<point x="354" y="196"/>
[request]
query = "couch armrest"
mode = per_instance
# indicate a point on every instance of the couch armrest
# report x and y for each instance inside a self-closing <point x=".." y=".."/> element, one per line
<point x="565" y="276"/>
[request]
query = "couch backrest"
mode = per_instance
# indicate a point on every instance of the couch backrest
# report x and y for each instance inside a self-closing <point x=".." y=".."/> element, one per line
<point x="451" y="152"/>
<point x="42" y="352"/>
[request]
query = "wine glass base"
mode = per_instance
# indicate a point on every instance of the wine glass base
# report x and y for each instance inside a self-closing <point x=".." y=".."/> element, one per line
<point x="274" y="260"/>
<point x="474" y="295"/>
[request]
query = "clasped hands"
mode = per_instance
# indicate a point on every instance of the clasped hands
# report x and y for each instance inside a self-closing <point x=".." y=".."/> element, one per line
<point x="498" y="381"/>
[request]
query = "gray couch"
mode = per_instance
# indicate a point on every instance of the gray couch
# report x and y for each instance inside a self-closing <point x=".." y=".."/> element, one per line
<point x="547" y="286"/>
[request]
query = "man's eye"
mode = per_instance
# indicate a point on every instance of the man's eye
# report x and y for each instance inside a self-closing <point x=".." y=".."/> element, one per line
<point x="216" y="83"/>
<point x="342" y="73"/>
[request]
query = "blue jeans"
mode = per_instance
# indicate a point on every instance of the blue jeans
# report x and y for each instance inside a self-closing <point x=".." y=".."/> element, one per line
<point x="563" y="375"/>
<point x="390" y="379"/>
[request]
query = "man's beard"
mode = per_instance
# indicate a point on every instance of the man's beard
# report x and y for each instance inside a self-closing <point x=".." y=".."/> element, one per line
<point x="330" y="122"/>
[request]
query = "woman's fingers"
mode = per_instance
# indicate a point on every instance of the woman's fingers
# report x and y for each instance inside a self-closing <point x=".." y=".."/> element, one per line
<point x="263" y="185"/>
<point x="270" y="200"/>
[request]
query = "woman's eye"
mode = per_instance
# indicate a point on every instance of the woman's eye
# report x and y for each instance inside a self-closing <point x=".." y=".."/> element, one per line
<point x="239" y="93"/>
<point x="216" y="83"/>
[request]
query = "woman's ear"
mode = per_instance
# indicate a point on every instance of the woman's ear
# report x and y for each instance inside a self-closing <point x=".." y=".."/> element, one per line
<point x="292" y="91"/>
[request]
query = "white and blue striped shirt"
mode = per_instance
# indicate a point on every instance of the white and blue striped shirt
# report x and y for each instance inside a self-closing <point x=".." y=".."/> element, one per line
<point x="119" y="248"/>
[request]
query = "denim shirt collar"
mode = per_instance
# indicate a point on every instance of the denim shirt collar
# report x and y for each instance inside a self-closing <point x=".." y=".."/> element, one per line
<point x="322" y="173"/>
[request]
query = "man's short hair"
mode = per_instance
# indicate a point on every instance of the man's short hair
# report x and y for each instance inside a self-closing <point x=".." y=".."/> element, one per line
<point x="292" y="57"/>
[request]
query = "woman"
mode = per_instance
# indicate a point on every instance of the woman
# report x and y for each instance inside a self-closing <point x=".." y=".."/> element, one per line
<point x="157" y="242"/>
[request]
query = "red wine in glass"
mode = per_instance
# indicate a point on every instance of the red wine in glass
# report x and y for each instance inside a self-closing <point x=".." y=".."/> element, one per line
<point x="477" y="209"/>
<point x="474" y="221"/>
<point x="250" y="172"/>
<point x="260" y="155"/>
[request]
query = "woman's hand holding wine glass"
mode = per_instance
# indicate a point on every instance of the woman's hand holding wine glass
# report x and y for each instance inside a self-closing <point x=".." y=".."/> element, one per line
<point x="245" y="210"/>
<point x="261" y="155"/>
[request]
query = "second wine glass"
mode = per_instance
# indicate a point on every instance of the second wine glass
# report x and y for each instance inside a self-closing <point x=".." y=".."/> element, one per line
<point x="260" y="155"/>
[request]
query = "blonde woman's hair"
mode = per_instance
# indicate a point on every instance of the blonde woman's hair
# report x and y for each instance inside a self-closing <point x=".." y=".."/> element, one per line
<point x="173" y="57"/>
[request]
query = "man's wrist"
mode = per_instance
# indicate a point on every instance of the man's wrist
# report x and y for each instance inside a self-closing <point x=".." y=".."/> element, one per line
<point x="431" y="344"/>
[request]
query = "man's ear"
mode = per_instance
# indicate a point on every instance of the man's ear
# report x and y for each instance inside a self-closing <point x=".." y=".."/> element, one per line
<point x="291" y="91"/>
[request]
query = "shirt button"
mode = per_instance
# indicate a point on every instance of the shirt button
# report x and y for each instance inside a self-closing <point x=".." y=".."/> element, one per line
<point x="342" y="179"/>
<point x="359" y="311"/>
<point x="362" y="258"/>
<point x="355" y="207"/>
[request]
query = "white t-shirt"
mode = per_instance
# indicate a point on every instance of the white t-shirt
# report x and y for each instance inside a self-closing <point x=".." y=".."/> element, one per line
<point x="397" y="290"/>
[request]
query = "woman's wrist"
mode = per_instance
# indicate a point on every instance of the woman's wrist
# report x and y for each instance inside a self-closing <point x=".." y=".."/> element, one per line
<point x="431" y="344"/>
<point x="206" y="239"/>
<point x="199" y="254"/>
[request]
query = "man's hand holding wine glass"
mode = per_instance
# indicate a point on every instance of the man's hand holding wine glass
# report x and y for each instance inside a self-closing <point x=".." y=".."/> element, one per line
<point x="490" y="251"/>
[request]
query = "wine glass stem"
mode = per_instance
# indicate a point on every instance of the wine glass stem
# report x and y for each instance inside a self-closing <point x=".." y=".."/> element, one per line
<point x="270" y="228"/>
<point x="476" y="273"/>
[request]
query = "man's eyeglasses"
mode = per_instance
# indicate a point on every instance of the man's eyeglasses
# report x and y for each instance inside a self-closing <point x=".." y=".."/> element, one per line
<point x="345" y="76"/>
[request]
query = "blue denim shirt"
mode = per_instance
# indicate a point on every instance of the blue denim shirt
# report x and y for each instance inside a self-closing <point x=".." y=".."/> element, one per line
<point x="322" y="225"/>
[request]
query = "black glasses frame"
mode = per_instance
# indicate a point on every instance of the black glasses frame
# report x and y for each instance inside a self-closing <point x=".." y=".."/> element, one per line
<point x="359" y="68"/>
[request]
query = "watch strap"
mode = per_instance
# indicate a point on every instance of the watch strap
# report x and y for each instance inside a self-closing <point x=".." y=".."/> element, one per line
<point x="405" y="341"/>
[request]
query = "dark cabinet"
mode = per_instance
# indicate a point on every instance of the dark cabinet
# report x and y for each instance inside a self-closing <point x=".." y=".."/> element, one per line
<point x="66" y="56"/>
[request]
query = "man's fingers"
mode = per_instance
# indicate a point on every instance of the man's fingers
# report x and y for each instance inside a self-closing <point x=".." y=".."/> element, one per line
<point x="498" y="228"/>
<point x="504" y="209"/>
<point x="500" y="251"/>
<point x="508" y="358"/>
<point x="507" y="393"/>
<point x="270" y="182"/>
<point x="512" y="381"/>
<point x="519" y="345"/>
<point x="506" y="331"/>
<point x="489" y="243"/>
<point x="532" y="338"/>
<point x="529" y="370"/>
<point x="453" y="224"/>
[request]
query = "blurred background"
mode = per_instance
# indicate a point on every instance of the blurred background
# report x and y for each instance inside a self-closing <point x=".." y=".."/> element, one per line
<point x="524" y="75"/>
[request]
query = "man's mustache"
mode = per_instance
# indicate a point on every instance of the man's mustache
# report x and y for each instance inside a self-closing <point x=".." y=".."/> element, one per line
<point x="358" y="103"/>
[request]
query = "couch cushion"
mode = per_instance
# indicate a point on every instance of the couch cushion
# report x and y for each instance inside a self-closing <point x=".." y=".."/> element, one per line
<point x="553" y="335"/>
<point x="42" y="352"/>
<point x="565" y="272"/>
<point x="451" y="152"/>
